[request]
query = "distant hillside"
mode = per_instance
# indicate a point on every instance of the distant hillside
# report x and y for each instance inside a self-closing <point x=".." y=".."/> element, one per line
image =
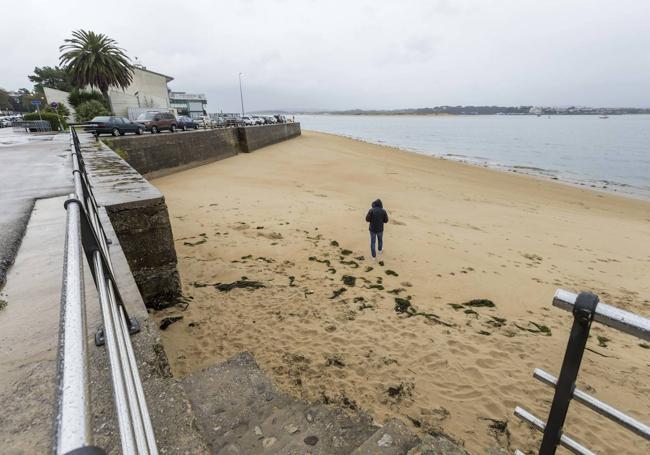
<point x="491" y="110"/>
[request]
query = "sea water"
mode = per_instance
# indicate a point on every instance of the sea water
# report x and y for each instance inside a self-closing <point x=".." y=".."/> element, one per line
<point x="611" y="154"/>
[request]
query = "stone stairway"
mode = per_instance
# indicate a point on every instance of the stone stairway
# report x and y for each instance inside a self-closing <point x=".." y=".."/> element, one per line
<point x="238" y="410"/>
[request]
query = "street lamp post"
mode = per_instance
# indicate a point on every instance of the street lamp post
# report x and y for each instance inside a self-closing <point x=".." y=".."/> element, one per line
<point x="241" y="96"/>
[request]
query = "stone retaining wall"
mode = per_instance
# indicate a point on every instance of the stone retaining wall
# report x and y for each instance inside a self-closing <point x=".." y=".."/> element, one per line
<point x="255" y="137"/>
<point x="140" y="219"/>
<point x="154" y="155"/>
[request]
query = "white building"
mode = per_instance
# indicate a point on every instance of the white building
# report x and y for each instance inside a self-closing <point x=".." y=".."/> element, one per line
<point x="148" y="90"/>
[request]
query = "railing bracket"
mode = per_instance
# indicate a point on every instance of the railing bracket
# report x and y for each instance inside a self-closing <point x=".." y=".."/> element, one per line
<point x="134" y="327"/>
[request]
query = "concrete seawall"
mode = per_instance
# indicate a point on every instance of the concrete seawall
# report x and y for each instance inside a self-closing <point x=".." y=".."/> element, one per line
<point x="255" y="137"/>
<point x="155" y="155"/>
<point x="137" y="209"/>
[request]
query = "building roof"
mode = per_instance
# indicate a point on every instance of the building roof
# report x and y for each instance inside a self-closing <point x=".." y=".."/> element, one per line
<point x="141" y="68"/>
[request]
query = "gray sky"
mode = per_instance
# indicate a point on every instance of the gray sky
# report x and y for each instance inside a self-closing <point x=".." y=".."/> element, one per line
<point x="360" y="54"/>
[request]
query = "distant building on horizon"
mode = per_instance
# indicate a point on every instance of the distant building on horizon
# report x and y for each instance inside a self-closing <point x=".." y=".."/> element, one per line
<point x="193" y="105"/>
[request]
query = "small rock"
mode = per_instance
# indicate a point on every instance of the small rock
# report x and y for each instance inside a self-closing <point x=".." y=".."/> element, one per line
<point x="291" y="428"/>
<point x="268" y="442"/>
<point x="311" y="440"/>
<point x="258" y="431"/>
<point x="385" y="441"/>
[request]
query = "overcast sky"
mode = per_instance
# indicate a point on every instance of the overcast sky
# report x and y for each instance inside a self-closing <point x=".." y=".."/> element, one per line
<point x="359" y="54"/>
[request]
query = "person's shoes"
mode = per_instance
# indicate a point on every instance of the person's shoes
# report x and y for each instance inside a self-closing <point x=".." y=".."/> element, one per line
<point x="380" y="251"/>
<point x="374" y="259"/>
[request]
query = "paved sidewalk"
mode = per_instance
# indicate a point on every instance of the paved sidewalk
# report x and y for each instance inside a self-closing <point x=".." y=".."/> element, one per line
<point x="31" y="167"/>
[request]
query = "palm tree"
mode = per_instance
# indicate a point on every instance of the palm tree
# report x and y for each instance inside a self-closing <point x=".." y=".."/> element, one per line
<point x="95" y="59"/>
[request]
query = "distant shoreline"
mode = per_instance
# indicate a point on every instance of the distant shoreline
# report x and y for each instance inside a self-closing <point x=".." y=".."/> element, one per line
<point x="611" y="188"/>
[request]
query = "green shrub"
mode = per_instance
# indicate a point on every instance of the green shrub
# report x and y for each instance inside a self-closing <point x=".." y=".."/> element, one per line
<point x="55" y="120"/>
<point x="76" y="98"/>
<point x="86" y="111"/>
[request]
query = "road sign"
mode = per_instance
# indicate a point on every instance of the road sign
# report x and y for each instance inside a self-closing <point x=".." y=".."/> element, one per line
<point x="54" y="104"/>
<point x="36" y="102"/>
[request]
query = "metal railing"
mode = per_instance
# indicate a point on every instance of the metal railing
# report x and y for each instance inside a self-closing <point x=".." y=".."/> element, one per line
<point x="586" y="308"/>
<point x="32" y="126"/>
<point x="85" y="234"/>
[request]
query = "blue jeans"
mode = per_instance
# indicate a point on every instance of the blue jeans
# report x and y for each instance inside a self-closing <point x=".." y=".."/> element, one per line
<point x="376" y="236"/>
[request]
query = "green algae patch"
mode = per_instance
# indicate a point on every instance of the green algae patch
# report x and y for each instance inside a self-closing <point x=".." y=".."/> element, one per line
<point x="480" y="303"/>
<point x="602" y="341"/>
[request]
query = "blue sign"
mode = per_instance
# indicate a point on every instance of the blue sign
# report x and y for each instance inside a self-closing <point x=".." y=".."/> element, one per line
<point x="36" y="102"/>
<point x="54" y="104"/>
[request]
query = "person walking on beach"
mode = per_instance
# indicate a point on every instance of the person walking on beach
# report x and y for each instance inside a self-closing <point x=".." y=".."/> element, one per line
<point x="377" y="217"/>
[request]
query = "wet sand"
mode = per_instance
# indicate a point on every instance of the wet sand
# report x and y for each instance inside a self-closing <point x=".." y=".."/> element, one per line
<point x="291" y="218"/>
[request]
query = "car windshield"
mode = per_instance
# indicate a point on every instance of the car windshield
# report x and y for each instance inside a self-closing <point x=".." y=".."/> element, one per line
<point x="101" y="119"/>
<point x="147" y="116"/>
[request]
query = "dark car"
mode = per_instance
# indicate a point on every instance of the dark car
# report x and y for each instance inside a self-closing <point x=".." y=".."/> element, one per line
<point x="158" y="121"/>
<point x="186" y="123"/>
<point x="117" y="126"/>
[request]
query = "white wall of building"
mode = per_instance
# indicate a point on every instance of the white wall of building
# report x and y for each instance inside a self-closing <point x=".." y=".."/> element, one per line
<point x="59" y="96"/>
<point x="147" y="90"/>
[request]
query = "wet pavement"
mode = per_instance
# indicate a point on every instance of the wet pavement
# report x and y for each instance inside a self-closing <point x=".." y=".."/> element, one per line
<point x="31" y="167"/>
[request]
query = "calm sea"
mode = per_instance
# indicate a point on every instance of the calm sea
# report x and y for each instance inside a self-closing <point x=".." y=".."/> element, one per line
<point x="611" y="154"/>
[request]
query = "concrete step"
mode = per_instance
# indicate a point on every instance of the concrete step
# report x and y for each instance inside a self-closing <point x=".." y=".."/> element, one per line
<point x="240" y="411"/>
<point x="439" y="445"/>
<point x="394" y="438"/>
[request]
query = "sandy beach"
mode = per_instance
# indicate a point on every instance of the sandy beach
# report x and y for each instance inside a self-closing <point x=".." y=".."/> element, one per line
<point x="323" y="319"/>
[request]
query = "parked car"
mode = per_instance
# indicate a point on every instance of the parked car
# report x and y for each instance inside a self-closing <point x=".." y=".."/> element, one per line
<point x="117" y="126"/>
<point x="270" y="120"/>
<point x="280" y="118"/>
<point x="234" y="121"/>
<point x="258" y="120"/>
<point x="186" y="123"/>
<point x="248" y="120"/>
<point x="218" y="121"/>
<point x="158" y="121"/>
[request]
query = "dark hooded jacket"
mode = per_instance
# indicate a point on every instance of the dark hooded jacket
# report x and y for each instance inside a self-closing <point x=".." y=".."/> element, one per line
<point x="377" y="216"/>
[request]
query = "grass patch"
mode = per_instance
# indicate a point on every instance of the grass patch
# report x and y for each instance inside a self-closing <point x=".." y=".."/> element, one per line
<point x="3" y="304"/>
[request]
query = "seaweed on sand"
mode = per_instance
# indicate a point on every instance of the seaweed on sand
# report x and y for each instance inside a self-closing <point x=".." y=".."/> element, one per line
<point x="349" y="280"/>
<point x="337" y="293"/>
<point x="391" y="272"/>
<point x="404" y="306"/>
<point x="322" y="261"/>
<point x="537" y="328"/>
<point x="352" y="264"/>
<point x="169" y="321"/>
<point x="480" y="303"/>
<point x="242" y="284"/>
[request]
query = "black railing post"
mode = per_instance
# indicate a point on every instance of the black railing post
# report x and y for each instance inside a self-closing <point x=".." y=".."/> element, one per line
<point x="583" y="314"/>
